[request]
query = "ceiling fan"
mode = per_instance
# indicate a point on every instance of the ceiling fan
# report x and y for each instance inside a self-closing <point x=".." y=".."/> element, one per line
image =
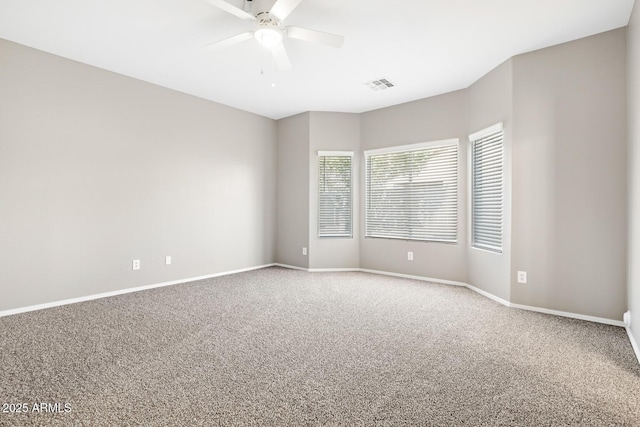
<point x="269" y="16"/>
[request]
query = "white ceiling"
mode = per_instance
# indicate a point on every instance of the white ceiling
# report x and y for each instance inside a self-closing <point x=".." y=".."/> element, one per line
<point x="425" y="47"/>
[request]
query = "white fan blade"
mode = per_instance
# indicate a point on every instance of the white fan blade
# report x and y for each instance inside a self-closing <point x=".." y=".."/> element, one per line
<point x="282" y="8"/>
<point x="221" y="44"/>
<point x="306" y="34"/>
<point x="281" y="57"/>
<point x="232" y="9"/>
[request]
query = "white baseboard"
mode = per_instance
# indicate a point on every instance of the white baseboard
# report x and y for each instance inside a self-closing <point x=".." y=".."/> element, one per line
<point x="332" y="270"/>
<point x="315" y="270"/>
<point x="123" y="291"/>
<point x="409" y="276"/>
<point x="571" y="315"/>
<point x="486" y="294"/>
<point x="505" y="302"/>
<point x="479" y="291"/>
<point x="489" y="295"/>
<point x="634" y="343"/>
<point x="290" y="267"/>
<point x="364" y="270"/>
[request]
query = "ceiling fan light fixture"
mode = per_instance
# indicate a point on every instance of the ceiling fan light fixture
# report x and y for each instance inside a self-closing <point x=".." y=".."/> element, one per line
<point x="268" y="37"/>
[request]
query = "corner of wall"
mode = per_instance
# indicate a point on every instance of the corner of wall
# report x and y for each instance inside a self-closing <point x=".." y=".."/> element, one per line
<point x="633" y="176"/>
<point x="293" y="191"/>
<point x="340" y="132"/>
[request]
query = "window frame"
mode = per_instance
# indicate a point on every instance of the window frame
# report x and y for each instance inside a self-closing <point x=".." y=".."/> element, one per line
<point x="486" y="135"/>
<point x="453" y="236"/>
<point x="350" y="155"/>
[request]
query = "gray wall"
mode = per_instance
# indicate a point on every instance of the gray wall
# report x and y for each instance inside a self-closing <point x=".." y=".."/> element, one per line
<point x="293" y="191"/>
<point x="97" y="169"/>
<point x="431" y="119"/>
<point x="564" y="111"/>
<point x="299" y="139"/>
<point x="569" y="176"/>
<point x="490" y="101"/>
<point x="633" y="49"/>
<point x="340" y="132"/>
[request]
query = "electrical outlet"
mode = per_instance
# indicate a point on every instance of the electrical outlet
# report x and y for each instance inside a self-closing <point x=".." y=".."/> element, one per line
<point x="167" y="260"/>
<point x="136" y="264"/>
<point x="522" y="277"/>
<point x="410" y="256"/>
<point x="304" y="251"/>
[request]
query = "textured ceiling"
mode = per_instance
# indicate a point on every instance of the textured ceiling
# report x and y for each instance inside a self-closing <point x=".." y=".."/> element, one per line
<point x="425" y="47"/>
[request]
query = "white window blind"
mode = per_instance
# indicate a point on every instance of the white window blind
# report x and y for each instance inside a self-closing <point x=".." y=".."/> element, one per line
<point x="334" y="194"/>
<point x="487" y="188"/>
<point x="412" y="192"/>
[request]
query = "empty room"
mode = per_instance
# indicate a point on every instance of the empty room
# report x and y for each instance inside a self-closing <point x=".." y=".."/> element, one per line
<point x="320" y="212"/>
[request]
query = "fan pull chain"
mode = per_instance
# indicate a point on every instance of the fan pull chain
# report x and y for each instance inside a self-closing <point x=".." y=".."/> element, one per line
<point x="273" y="67"/>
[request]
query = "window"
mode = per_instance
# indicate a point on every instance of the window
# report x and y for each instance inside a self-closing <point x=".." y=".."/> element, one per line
<point x="486" y="188"/>
<point x="334" y="194"/>
<point x="412" y="192"/>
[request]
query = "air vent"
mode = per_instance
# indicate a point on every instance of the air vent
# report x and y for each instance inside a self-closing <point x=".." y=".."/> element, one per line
<point x="380" y="84"/>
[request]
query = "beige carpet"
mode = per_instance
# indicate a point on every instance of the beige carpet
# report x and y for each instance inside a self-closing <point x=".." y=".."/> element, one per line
<point x="278" y="347"/>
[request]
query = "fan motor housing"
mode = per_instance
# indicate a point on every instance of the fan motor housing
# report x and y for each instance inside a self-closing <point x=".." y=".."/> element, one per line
<point x="260" y="6"/>
<point x="267" y="20"/>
